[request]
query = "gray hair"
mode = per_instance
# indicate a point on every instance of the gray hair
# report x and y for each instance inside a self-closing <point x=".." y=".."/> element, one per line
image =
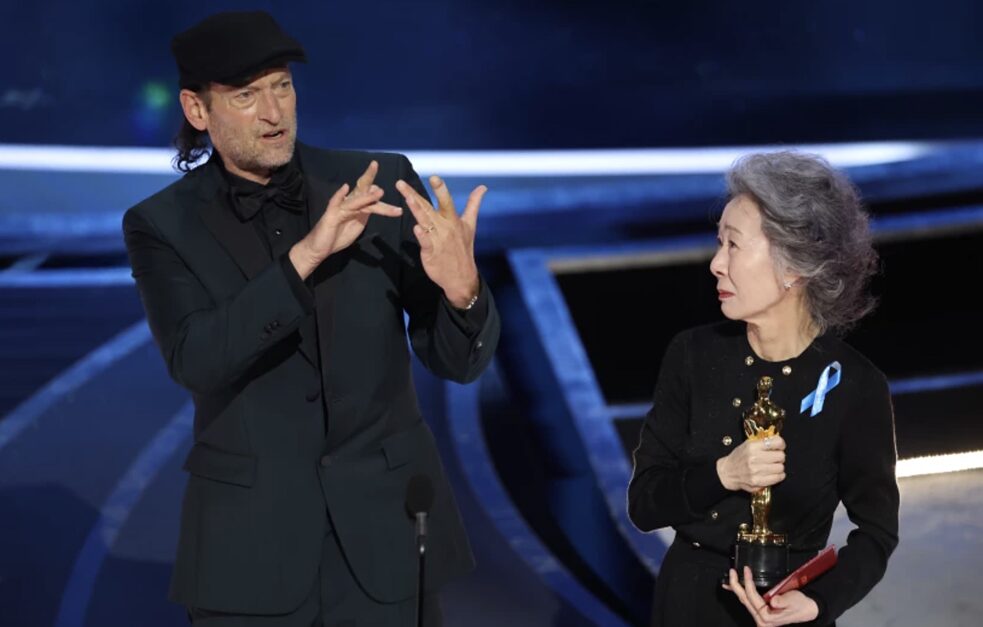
<point x="817" y="229"/>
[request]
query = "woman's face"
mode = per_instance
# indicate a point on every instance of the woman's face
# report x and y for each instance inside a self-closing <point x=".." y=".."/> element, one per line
<point x="747" y="284"/>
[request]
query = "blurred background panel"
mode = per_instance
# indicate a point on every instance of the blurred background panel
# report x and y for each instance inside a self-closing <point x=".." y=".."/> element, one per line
<point x="498" y="74"/>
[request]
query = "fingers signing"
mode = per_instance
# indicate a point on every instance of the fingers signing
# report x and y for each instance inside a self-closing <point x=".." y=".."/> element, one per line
<point x="368" y="177"/>
<point x="445" y="203"/>
<point x="421" y="209"/>
<point x="470" y="215"/>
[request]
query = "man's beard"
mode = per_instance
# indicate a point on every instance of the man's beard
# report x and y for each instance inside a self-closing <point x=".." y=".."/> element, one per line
<point x="251" y="156"/>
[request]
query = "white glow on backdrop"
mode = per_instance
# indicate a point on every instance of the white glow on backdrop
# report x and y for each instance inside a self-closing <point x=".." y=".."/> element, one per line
<point x="937" y="464"/>
<point x="515" y="163"/>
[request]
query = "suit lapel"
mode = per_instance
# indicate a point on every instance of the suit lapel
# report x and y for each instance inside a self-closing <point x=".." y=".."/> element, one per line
<point x="321" y="187"/>
<point x="324" y="279"/>
<point x="243" y="243"/>
<point x="238" y="238"/>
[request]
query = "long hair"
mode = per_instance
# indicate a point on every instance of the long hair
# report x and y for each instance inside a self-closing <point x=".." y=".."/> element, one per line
<point x="191" y="143"/>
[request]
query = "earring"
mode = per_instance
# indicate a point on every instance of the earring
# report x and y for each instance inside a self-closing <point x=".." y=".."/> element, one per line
<point x="787" y="285"/>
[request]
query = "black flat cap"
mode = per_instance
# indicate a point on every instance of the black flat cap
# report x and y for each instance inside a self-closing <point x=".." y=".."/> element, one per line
<point x="231" y="47"/>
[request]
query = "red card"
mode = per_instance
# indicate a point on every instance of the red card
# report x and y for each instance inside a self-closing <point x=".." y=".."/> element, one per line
<point x="805" y="573"/>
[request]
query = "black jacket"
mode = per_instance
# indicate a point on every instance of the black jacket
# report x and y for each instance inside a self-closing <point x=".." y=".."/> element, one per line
<point x="845" y="453"/>
<point x="289" y="443"/>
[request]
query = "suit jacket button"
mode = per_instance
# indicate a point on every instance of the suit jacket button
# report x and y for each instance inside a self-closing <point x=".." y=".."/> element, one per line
<point x="275" y="324"/>
<point x="313" y="395"/>
<point x="325" y="461"/>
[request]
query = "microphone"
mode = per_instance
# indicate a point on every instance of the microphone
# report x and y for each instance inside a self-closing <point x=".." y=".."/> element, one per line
<point x="419" y="500"/>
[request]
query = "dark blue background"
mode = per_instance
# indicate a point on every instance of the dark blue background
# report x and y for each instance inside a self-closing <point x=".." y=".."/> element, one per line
<point x="508" y="74"/>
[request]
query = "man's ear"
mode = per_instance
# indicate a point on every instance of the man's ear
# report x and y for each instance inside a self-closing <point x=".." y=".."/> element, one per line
<point x="195" y="109"/>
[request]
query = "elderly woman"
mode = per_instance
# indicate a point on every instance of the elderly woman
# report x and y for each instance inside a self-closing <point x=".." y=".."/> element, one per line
<point x="793" y="264"/>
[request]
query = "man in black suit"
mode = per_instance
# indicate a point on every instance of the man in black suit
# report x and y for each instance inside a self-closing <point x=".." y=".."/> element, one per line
<point x="275" y="279"/>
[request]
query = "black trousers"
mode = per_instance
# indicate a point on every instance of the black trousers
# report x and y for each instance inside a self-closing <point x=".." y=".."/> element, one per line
<point x="336" y="600"/>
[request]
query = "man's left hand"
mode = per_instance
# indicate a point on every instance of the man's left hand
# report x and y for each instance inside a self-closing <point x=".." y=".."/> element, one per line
<point x="446" y="239"/>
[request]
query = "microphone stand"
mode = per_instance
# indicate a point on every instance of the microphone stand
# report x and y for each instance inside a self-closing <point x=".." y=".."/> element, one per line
<point x="419" y="500"/>
<point x="421" y="548"/>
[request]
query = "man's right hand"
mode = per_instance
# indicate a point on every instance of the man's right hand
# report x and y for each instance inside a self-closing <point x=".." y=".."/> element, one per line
<point x="753" y="465"/>
<point x="343" y="221"/>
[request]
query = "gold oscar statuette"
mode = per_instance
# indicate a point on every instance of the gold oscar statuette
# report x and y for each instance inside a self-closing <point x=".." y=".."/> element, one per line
<point x="759" y="547"/>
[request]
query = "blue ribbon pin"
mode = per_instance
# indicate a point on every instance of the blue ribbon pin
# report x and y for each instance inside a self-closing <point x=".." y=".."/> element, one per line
<point x="816" y="398"/>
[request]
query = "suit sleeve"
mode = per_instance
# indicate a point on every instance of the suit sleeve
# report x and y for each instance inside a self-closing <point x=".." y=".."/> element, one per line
<point x="868" y="488"/>
<point x="453" y="344"/>
<point x="666" y="488"/>
<point x="208" y="345"/>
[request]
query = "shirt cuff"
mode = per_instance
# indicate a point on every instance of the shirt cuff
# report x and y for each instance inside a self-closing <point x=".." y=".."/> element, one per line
<point x="303" y="293"/>
<point x="702" y="487"/>
<point x="470" y="321"/>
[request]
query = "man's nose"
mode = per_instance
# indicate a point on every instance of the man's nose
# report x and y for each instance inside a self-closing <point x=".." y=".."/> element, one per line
<point x="269" y="109"/>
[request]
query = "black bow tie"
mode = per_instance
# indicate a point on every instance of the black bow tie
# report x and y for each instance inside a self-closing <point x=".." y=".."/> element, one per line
<point x="285" y="190"/>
